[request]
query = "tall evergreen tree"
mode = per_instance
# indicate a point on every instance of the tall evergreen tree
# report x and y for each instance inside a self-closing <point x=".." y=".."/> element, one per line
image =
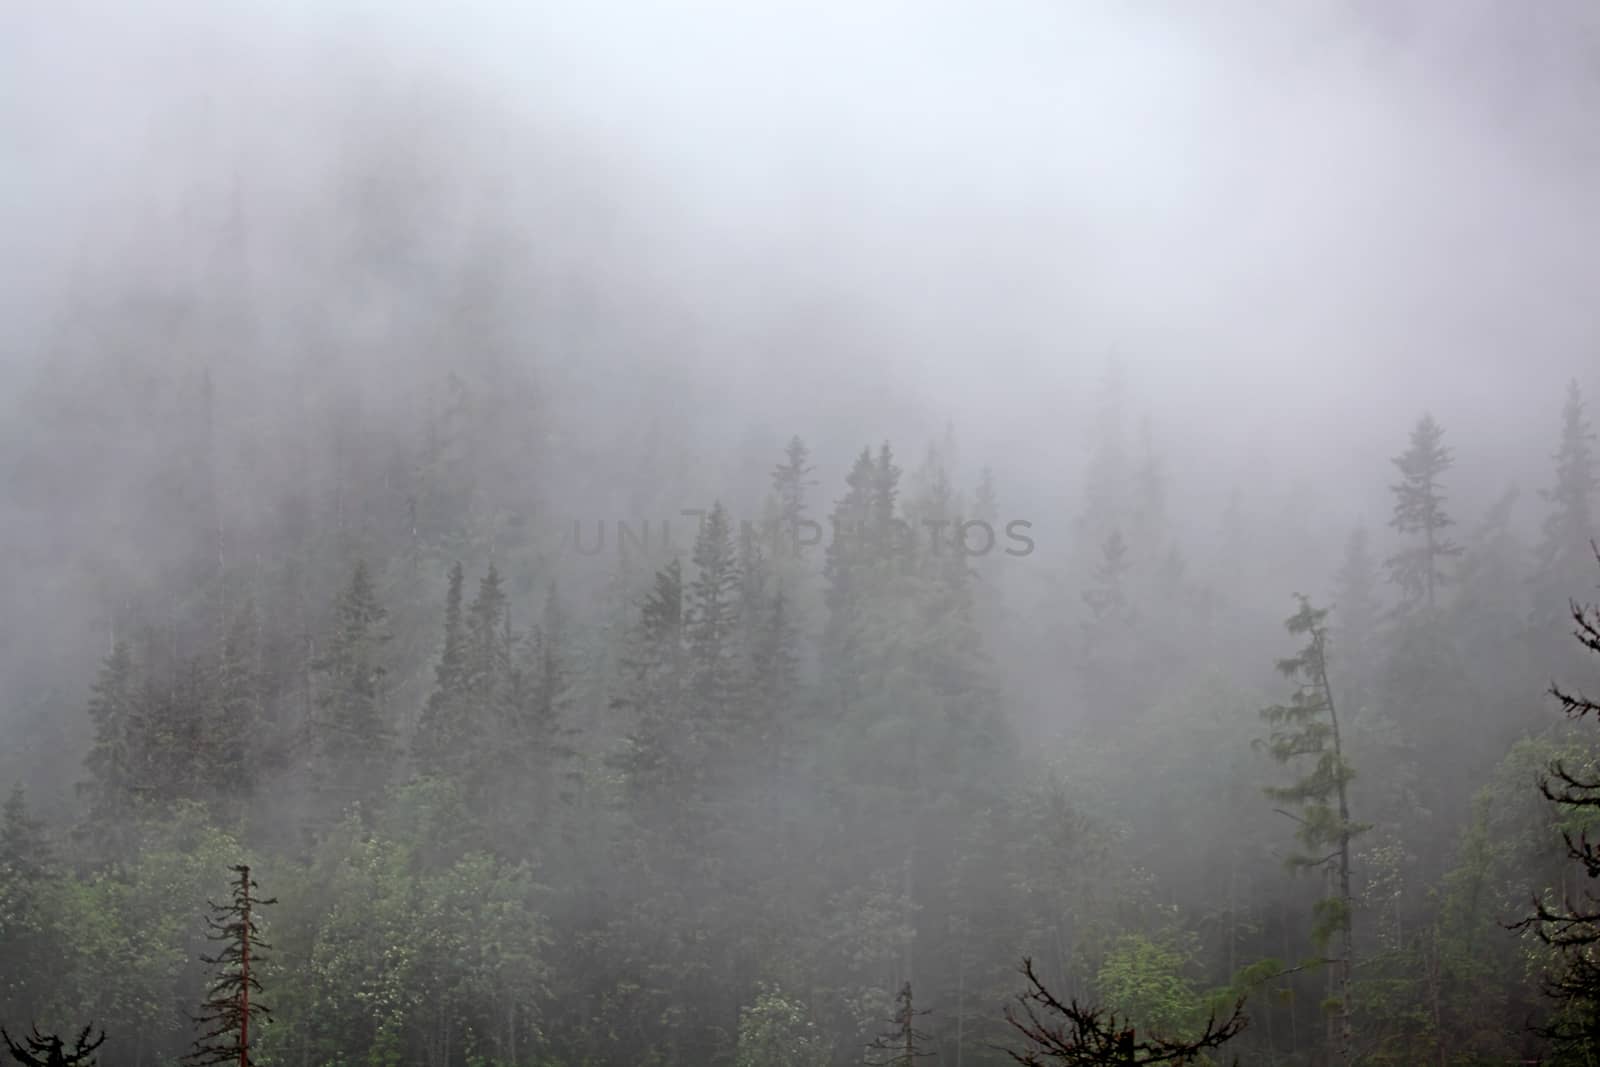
<point x="659" y="757"/>
<point x="229" y="771"/>
<point x="1419" y="513"/>
<point x="353" y="736"/>
<point x="486" y="657"/>
<point x="115" y="713"/>
<point x="489" y="722"/>
<point x="1107" y="633"/>
<point x="549" y="682"/>
<point x="790" y="480"/>
<point x="711" y="613"/>
<point x="1569" y="525"/>
<point x="1307" y="727"/>
<point x="856" y="569"/>
<point x="1562" y="561"/>
<point x="442" y="728"/>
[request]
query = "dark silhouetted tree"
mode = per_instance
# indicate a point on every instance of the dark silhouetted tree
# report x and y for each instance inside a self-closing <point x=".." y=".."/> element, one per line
<point x="1572" y="927"/>
<point x="903" y="1044"/>
<point x="53" y="1049"/>
<point x="1069" y="1033"/>
<point x="230" y="1007"/>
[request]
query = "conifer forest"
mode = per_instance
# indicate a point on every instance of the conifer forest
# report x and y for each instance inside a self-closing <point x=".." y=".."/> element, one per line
<point x="760" y="533"/>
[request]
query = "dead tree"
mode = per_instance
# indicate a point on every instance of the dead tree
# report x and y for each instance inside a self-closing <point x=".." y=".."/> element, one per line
<point x="53" y="1049"/>
<point x="1572" y="927"/>
<point x="229" y="1008"/>
<point x="1068" y="1033"/>
<point x="901" y="1046"/>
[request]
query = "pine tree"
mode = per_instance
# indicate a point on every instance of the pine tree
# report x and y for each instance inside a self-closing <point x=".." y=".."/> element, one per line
<point x="1307" y="727"/>
<point x="441" y="730"/>
<point x="774" y="678"/>
<point x="1563" y="550"/>
<point x="1107" y="642"/>
<point x="230" y="1007"/>
<point x="659" y="758"/>
<point x="790" y="480"/>
<point x="711" y="614"/>
<point x="114" y="710"/>
<point x="168" y="735"/>
<point x="1569" y="525"/>
<point x="229" y="771"/>
<point x="353" y="737"/>
<point x="853" y="569"/>
<point x="1419" y="512"/>
<point x="549" y="685"/>
<point x="489" y="721"/>
<point x="486" y="658"/>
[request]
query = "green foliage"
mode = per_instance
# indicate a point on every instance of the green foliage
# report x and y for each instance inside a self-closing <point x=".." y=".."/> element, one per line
<point x="777" y="1031"/>
<point x="1143" y="980"/>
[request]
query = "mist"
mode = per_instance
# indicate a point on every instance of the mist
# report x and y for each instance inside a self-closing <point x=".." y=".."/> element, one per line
<point x="291" y="293"/>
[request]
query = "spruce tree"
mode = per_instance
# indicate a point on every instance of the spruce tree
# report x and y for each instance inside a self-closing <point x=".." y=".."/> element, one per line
<point x="441" y="729"/>
<point x="711" y="615"/>
<point x="548" y="682"/>
<point x="1419" y="513"/>
<point x="488" y="725"/>
<point x="229" y="770"/>
<point x="790" y="480"/>
<point x="486" y="659"/>
<point x="115" y="712"/>
<point x="1562" y="560"/>
<point x="866" y="546"/>
<point x="353" y="737"/>
<point x="1307" y="728"/>
<point x="231" y="1006"/>
<point x="1569" y="524"/>
<point x="658" y="759"/>
<point x="1107" y="645"/>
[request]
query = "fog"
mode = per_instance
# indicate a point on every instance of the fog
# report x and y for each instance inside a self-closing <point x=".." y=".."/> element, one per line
<point x="287" y="286"/>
